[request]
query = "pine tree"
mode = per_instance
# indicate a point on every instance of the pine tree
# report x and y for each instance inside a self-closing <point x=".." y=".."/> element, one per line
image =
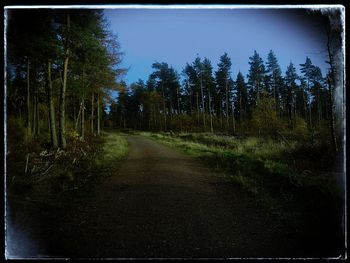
<point x="273" y="71"/>
<point x="242" y="96"/>
<point x="289" y="97"/>
<point x="222" y="76"/>
<point x="307" y="69"/>
<point x="255" y="77"/>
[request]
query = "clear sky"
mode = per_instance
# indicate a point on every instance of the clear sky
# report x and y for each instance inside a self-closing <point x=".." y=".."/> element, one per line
<point x="176" y="36"/>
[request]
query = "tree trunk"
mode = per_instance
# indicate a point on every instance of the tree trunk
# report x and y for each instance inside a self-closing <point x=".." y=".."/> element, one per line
<point x="62" y="129"/>
<point x="37" y="113"/>
<point x="203" y="108"/>
<point x="83" y="107"/>
<point x="197" y="108"/>
<point x="233" y="120"/>
<point x="52" y="117"/>
<point x="78" y="117"/>
<point x="210" y="114"/>
<point x="29" y="132"/>
<point x="310" y="115"/>
<point x="305" y="108"/>
<point x="332" y="119"/>
<point x="221" y="113"/>
<point x="164" y="107"/>
<point x="240" y="107"/>
<point x="92" y="112"/>
<point x="274" y="90"/>
<point x="34" y="115"/>
<point x="331" y="85"/>
<point x="227" y="122"/>
<point x="82" y="118"/>
<point x="74" y="108"/>
<point x="191" y="107"/>
<point x="178" y="101"/>
<point x="98" y="115"/>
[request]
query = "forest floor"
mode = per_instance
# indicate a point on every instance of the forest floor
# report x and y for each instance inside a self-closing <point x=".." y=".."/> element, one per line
<point x="161" y="203"/>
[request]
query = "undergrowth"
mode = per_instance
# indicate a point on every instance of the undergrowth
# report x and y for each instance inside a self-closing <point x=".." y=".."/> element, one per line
<point x="40" y="174"/>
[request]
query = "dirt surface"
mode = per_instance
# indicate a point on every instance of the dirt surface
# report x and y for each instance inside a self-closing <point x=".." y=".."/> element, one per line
<point x="161" y="203"/>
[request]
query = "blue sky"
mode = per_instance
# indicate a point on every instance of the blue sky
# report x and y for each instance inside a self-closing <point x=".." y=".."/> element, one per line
<point x="176" y="36"/>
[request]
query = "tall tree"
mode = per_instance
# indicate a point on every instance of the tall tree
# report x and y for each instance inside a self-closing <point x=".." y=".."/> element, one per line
<point x="167" y="81"/>
<point x="62" y="107"/>
<point x="223" y="81"/>
<point x="290" y="84"/>
<point x="242" y="96"/>
<point x="273" y="71"/>
<point x="335" y="77"/>
<point x="308" y="70"/>
<point x="255" y="77"/>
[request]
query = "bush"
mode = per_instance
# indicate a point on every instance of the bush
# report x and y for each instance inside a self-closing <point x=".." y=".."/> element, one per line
<point x="300" y="129"/>
<point x="264" y="118"/>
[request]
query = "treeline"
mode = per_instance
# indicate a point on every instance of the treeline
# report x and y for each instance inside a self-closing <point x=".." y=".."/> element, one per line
<point x="60" y="66"/>
<point x="267" y="102"/>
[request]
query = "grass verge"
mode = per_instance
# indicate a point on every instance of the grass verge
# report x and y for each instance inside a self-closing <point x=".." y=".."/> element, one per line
<point x="259" y="166"/>
<point x="114" y="150"/>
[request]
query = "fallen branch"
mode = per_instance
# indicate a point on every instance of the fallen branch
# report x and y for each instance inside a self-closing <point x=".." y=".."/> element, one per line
<point x="47" y="169"/>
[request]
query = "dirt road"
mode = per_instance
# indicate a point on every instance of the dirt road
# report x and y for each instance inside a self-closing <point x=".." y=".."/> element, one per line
<point x="162" y="203"/>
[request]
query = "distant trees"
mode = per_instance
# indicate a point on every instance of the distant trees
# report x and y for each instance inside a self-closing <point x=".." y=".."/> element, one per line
<point x="63" y="63"/>
<point x="266" y="103"/>
<point x="62" y="58"/>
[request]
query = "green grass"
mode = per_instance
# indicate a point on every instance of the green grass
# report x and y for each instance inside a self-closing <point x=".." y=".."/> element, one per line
<point x="115" y="148"/>
<point x="263" y="167"/>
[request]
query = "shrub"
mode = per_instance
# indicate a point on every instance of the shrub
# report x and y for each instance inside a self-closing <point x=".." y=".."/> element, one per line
<point x="300" y="129"/>
<point x="264" y="118"/>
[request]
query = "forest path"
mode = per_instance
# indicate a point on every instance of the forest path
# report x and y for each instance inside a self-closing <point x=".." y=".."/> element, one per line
<point x="162" y="203"/>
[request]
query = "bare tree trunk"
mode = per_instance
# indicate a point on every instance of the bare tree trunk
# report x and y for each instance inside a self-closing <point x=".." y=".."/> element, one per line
<point x="221" y="113"/>
<point x="240" y="107"/>
<point x="203" y="108"/>
<point x="83" y="108"/>
<point x="191" y="107"/>
<point x="227" y="122"/>
<point x="34" y="115"/>
<point x="92" y="112"/>
<point x="98" y="115"/>
<point x="331" y="86"/>
<point x="178" y="101"/>
<point x="332" y="121"/>
<point x="37" y="113"/>
<point x="62" y="129"/>
<point x="233" y="119"/>
<point x="305" y="108"/>
<point x="78" y="117"/>
<point x="210" y="114"/>
<point x="197" y="107"/>
<point x="310" y="115"/>
<point x="82" y="133"/>
<point x="274" y="90"/>
<point x="164" y="108"/>
<point x="29" y="131"/>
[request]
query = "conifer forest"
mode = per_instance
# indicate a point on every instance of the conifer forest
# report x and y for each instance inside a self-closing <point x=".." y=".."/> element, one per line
<point x="199" y="160"/>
